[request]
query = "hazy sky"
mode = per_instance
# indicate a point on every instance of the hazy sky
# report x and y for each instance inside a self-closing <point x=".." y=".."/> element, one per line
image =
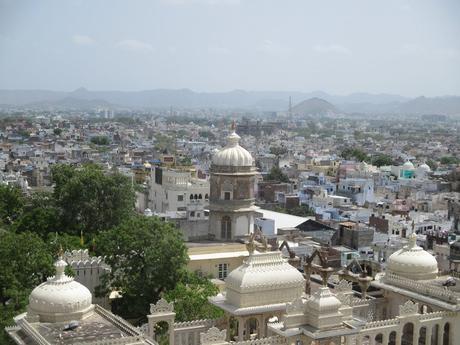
<point x="343" y="46"/>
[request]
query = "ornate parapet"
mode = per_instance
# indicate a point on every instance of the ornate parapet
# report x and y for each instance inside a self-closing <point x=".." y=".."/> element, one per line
<point x="426" y="289"/>
<point x="275" y="340"/>
<point x="381" y="323"/>
<point x="117" y="341"/>
<point x="408" y="308"/>
<point x="161" y="307"/>
<point x="208" y="323"/>
<point x="213" y="336"/>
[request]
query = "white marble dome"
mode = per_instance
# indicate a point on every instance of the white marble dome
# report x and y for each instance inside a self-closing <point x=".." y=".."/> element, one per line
<point x="425" y="167"/>
<point x="264" y="278"/>
<point x="413" y="262"/>
<point x="408" y="166"/>
<point x="233" y="154"/>
<point x="60" y="298"/>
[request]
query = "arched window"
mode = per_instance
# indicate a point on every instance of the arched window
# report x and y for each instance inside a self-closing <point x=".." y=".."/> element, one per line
<point x="446" y="338"/>
<point x="206" y="196"/>
<point x="226" y="228"/>
<point x="191" y="196"/>
<point x="200" y="196"/>
<point x="408" y="334"/>
<point x="392" y="338"/>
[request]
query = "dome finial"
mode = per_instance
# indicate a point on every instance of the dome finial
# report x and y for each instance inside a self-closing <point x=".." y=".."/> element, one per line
<point x="233" y="126"/>
<point x="412" y="240"/>
<point x="60" y="265"/>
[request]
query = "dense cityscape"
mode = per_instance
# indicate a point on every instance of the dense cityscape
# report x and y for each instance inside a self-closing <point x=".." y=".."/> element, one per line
<point x="134" y="211"/>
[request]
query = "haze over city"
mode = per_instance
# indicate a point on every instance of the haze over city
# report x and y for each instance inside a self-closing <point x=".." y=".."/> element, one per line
<point x="410" y="48"/>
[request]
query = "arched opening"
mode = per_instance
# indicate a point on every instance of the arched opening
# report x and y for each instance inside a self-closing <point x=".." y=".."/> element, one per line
<point x="232" y="329"/>
<point x="379" y="339"/>
<point x="226" y="228"/>
<point x="366" y="339"/>
<point x="422" y="336"/>
<point x="191" y="196"/>
<point x="200" y="196"/>
<point x="269" y="319"/>
<point x="407" y="337"/>
<point x="446" y="337"/>
<point x="206" y="197"/>
<point x="195" y="197"/>
<point x="392" y="338"/>
<point x="252" y="328"/>
<point x="162" y="333"/>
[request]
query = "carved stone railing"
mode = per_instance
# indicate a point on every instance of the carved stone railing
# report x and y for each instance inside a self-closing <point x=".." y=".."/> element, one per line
<point x="195" y="323"/>
<point x="371" y="326"/>
<point x="380" y="323"/>
<point x="437" y="314"/>
<point x="425" y="289"/>
<point x="119" y="321"/>
<point x="275" y="340"/>
<point x="117" y="341"/>
<point x="31" y="332"/>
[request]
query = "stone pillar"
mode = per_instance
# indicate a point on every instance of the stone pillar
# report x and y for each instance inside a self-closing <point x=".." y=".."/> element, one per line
<point x="371" y="340"/>
<point x="261" y="330"/>
<point x="415" y="335"/>
<point x="240" y="328"/>
<point x="171" y="333"/>
<point x="440" y="335"/>
<point x="359" y="340"/>
<point x="429" y="334"/>
<point x="398" y="338"/>
<point x="385" y="339"/>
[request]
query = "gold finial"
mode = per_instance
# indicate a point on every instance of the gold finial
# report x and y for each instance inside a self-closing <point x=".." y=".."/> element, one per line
<point x="233" y="125"/>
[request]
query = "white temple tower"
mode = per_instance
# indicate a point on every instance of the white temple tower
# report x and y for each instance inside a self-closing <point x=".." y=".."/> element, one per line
<point x="231" y="203"/>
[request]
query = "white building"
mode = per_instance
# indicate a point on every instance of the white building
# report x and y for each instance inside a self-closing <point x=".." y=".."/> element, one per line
<point x="173" y="191"/>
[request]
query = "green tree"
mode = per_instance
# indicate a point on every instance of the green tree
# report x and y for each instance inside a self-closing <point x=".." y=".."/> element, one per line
<point x="147" y="257"/>
<point x="354" y="153"/>
<point x="190" y="297"/>
<point x="91" y="200"/>
<point x="432" y="164"/>
<point x="382" y="160"/>
<point x="449" y="160"/>
<point x="207" y="134"/>
<point x="276" y="174"/>
<point x="11" y="203"/>
<point x="40" y="215"/>
<point x="25" y="262"/>
<point x="57" y="131"/>
<point x="278" y="150"/>
<point x="100" y="140"/>
<point x="301" y="211"/>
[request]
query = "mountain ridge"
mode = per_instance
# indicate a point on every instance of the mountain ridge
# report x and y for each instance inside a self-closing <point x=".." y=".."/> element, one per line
<point x="358" y="102"/>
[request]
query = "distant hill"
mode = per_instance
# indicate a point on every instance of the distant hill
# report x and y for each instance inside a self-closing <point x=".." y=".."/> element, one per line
<point x="318" y="102"/>
<point x="440" y="105"/>
<point x="72" y="103"/>
<point x="315" y="106"/>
